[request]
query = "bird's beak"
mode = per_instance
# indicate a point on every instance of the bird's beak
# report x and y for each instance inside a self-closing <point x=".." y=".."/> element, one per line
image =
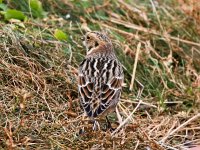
<point x="83" y="38"/>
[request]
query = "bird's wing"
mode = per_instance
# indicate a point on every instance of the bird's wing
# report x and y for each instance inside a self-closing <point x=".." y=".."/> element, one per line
<point x="111" y="85"/>
<point x="86" y="84"/>
<point x="100" y="81"/>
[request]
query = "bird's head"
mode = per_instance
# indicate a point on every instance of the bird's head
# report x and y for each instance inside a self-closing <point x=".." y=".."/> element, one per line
<point x="96" y="41"/>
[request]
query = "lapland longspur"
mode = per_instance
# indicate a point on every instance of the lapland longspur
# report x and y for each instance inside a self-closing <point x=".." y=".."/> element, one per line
<point x="100" y="77"/>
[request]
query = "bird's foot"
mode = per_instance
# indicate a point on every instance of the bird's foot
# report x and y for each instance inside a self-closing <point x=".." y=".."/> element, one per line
<point x="109" y="126"/>
<point x="96" y="126"/>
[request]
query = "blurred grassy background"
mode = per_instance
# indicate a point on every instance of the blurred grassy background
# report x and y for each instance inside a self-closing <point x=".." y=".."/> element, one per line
<point x="40" y="53"/>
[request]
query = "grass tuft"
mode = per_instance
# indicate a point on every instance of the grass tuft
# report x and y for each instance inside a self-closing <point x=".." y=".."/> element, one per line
<point x="39" y="106"/>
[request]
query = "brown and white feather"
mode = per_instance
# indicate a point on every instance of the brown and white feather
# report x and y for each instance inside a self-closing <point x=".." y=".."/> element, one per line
<point x="100" y="76"/>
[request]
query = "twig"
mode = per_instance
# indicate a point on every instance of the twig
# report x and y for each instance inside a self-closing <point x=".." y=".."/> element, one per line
<point x="120" y="31"/>
<point x="126" y="120"/>
<point x="179" y="127"/>
<point x="157" y="16"/>
<point x="135" y="102"/>
<point x="137" y="145"/>
<point x="150" y="31"/>
<point x="44" y="98"/>
<point x="135" y="66"/>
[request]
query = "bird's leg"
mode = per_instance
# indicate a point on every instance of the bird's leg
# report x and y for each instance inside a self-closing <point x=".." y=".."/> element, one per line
<point x="82" y="130"/>
<point x="96" y="125"/>
<point x="109" y="124"/>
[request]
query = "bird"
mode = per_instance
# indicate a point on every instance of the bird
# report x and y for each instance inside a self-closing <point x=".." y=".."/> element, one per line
<point x="100" y="77"/>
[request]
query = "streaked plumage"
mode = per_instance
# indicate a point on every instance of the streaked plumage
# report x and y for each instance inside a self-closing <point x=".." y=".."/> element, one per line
<point x="100" y="76"/>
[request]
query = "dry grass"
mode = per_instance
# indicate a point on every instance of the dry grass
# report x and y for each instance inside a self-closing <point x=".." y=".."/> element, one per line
<point x="39" y="107"/>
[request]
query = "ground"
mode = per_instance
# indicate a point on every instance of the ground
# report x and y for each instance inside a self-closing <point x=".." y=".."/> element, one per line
<point x="158" y="43"/>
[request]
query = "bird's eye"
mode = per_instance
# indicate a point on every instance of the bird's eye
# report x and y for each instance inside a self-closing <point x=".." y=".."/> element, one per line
<point x="88" y="37"/>
<point x="96" y="44"/>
